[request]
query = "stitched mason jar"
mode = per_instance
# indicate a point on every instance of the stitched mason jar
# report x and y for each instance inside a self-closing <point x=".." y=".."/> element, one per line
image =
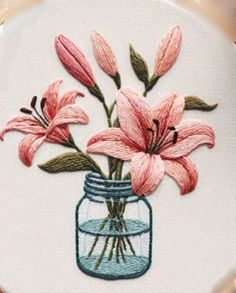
<point x="113" y="230"/>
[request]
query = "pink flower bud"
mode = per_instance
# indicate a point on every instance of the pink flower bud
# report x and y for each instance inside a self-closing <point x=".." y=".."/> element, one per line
<point x="74" y="61"/>
<point x="168" y="51"/>
<point x="104" y="54"/>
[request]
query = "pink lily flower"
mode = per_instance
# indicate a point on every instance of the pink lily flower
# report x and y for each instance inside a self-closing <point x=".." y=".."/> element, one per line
<point x="104" y="54"/>
<point x="74" y="61"/>
<point x="50" y="125"/>
<point x="155" y="140"/>
<point x="168" y="51"/>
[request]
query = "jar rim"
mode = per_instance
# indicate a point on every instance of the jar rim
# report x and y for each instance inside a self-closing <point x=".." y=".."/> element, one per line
<point x="98" y="178"/>
<point x="96" y="185"/>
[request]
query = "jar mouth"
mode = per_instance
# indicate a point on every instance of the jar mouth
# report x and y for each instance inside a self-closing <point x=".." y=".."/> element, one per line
<point x="96" y="185"/>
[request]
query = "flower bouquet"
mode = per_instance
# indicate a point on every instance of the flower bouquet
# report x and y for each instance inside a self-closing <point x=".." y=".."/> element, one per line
<point x="114" y="218"/>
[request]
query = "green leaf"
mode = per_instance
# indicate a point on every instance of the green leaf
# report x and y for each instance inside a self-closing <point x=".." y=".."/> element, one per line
<point x="70" y="162"/>
<point x="139" y="65"/>
<point x="195" y="103"/>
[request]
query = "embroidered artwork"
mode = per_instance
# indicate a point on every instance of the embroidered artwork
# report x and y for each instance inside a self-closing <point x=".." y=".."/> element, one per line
<point x="114" y="218"/>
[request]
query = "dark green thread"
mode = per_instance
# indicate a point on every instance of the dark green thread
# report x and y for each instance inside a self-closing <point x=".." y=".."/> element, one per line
<point x="103" y="252"/>
<point x="116" y="258"/>
<point x="151" y="83"/>
<point x="70" y="162"/>
<point x="139" y="66"/>
<point x="127" y="176"/>
<point x="117" y="80"/>
<point x="195" y="103"/>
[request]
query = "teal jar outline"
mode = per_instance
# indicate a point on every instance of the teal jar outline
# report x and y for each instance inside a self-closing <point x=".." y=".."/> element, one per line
<point x="95" y="187"/>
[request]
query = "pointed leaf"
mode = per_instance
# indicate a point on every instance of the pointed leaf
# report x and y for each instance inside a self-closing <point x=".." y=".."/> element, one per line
<point x="70" y="162"/>
<point x="195" y="103"/>
<point x="139" y="65"/>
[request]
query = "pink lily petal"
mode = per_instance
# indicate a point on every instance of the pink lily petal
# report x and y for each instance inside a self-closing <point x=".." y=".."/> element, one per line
<point x="104" y="54"/>
<point x="113" y="142"/>
<point x="51" y="96"/>
<point x="191" y="135"/>
<point x="135" y="116"/>
<point x="168" y="51"/>
<point x="28" y="147"/>
<point x="74" y="60"/>
<point x="68" y="114"/>
<point x="169" y="112"/>
<point x="24" y="124"/>
<point x="67" y="99"/>
<point x="59" y="134"/>
<point x="146" y="173"/>
<point x="184" y="172"/>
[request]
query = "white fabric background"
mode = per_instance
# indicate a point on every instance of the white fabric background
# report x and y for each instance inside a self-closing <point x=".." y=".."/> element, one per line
<point x="194" y="236"/>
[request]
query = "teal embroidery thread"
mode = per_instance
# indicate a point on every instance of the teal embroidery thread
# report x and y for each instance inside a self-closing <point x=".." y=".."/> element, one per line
<point x="116" y="244"/>
<point x="112" y="262"/>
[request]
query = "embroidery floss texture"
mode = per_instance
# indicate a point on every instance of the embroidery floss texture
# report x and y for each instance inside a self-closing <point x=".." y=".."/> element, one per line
<point x="105" y="57"/>
<point x="114" y="219"/>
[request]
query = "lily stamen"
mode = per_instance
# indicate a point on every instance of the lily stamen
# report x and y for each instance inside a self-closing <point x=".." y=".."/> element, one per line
<point x="26" y="111"/>
<point x="42" y="103"/>
<point x="176" y="134"/>
<point x="41" y="122"/>
<point x="160" y="143"/>
<point x="157" y="124"/>
<point x="152" y="139"/>
<point x="33" y="105"/>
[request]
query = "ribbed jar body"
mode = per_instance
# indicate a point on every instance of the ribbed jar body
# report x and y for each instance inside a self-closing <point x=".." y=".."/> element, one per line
<point x="113" y="230"/>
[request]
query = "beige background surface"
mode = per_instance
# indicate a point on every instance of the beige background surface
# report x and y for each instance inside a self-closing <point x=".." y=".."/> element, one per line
<point x="194" y="236"/>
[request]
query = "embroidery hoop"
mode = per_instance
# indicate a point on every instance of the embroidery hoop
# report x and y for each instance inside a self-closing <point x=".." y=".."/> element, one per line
<point x="153" y="199"/>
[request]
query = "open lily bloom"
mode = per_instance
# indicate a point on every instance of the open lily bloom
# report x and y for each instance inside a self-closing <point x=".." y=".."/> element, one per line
<point x="155" y="140"/>
<point x="50" y="125"/>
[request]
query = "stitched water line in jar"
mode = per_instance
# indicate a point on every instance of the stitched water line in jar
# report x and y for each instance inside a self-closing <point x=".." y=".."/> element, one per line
<point x="113" y="230"/>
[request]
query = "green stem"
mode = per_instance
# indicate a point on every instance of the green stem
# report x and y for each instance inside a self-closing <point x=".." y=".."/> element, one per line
<point x="112" y="248"/>
<point x="102" y="254"/>
<point x="127" y="176"/>
<point x="95" y="91"/>
<point x="117" y="250"/>
<point x="77" y="149"/>
<point x="130" y="245"/>
<point x="93" y="246"/>
<point x="145" y="93"/>
<point x="118" y="174"/>
<point x="112" y="107"/>
<point x="122" y="252"/>
<point x="117" y="80"/>
<point x="108" y="114"/>
<point x="151" y="83"/>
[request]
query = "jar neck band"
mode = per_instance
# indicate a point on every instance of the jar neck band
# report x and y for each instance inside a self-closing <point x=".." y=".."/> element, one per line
<point x="97" y="186"/>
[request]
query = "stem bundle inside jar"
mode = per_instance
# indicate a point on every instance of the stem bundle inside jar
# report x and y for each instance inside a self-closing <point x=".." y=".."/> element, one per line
<point x="116" y="224"/>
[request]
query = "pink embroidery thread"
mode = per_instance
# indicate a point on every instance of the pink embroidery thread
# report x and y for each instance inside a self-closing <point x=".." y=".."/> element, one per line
<point x="74" y="61"/>
<point x="104" y="54"/>
<point x="52" y="126"/>
<point x="168" y="51"/>
<point x="154" y="140"/>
